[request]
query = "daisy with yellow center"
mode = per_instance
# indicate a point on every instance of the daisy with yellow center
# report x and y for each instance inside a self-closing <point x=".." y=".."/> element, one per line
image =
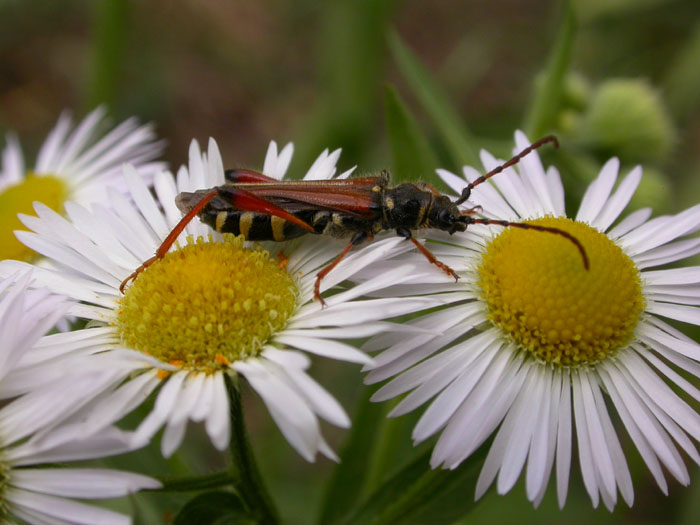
<point x="35" y="432"/>
<point x="80" y="165"/>
<point x="214" y="305"/>
<point x="534" y="347"/>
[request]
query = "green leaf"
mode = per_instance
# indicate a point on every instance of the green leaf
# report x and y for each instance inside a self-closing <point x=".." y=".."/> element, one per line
<point x="412" y="155"/>
<point x="545" y="106"/>
<point x="111" y="33"/>
<point x="458" y="140"/>
<point x="417" y="494"/>
<point x="350" y="476"/>
<point x="215" y="508"/>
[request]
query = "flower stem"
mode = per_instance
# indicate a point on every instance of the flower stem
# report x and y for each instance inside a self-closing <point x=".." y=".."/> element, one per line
<point x="249" y="482"/>
<point x="205" y="482"/>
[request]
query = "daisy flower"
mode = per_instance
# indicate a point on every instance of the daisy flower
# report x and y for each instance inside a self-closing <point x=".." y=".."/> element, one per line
<point x="534" y="348"/>
<point x="72" y="164"/>
<point x="216" y="306"/>
<point x="33" y="434"/>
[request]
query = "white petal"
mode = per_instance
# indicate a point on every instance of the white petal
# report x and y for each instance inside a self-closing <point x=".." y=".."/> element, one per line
<point x="12" y="170"/>
<point x="49" y="151"/>
<point x="564" y="437"/>
<point x="453" y="395"/>
<point x="629" y="223"/>
<point x="532" y="172"/>
<point x="487" y="196"/>
<point x="326" y="348"/>
<point x="509" y="184"/>
<point x="82" y="483"/>
<point x="607" y="374"/>
<point x="585" y="452"/>
<point x="495" y="458"/>
<point x="537" y="455"/>
<point x="163" y="407"/>
<point x="519" y="444"/>
<point x="321" y="402"/>
<point x="64" y="510"/>
<point x="293" y="416"/>
<point x="614" y="206"/>
<point x="482" y="412"/>
<point x="217" y="422"/>
<point x="597" y="194"/>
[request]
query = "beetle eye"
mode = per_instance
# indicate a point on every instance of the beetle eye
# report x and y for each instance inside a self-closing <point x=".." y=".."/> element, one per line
<point x="445" y="218"/>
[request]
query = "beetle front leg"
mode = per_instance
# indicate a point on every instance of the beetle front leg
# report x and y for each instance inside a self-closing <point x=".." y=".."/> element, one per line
<point x="406" y="234"/>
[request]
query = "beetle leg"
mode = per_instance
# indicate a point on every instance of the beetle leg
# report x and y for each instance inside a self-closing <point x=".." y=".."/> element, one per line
<point x="406" y="234"/>
<point x="357" y="239"/>
<point x="171" y="238"/>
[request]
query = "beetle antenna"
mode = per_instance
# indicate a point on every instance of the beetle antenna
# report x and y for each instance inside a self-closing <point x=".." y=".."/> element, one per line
<point x="466" y="192"/>
<point x="525" y="226"/>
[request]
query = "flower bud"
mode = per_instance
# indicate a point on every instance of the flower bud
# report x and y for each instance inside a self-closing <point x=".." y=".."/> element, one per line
<point x="626" y="117"/>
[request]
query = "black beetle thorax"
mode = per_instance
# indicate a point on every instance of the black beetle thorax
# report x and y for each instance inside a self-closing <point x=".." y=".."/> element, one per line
<point x="406" y="206"/>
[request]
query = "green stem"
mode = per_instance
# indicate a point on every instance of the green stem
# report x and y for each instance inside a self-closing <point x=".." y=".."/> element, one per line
<point x="545" y="106"/>
<point x="249" y="485"/>
<point x="205" y="482"/>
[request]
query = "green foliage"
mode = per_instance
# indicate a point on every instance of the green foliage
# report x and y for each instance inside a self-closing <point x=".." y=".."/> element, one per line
<point x="453" y="131"/>
<point x="215" y="508"/>
<point x="349" y="479"/>
<point x="418" y="494"/>
<point x="541" y="117"/>
<point x="413" y="158"/>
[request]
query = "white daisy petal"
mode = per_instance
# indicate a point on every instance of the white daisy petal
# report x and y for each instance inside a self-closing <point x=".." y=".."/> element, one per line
<point x="597" y="194"/>
<point x="49" y="150"/>
<point x="532" y="172"/>
<point x="556" y="191"/>
<point x="82" y="483"/>
<point x="58" y="510"/>
<point x="453" y="181"/>
<point x="614" y="206"/>
<point x="217" y="421"/>
<point x="488" y="197"/>
<point x="629" y="223"/>
<point x="295" y="419"/>
<point x="12" y="162"/>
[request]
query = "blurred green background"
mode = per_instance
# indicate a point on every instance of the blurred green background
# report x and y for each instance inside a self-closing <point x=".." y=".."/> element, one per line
<point x="407" y="85"/>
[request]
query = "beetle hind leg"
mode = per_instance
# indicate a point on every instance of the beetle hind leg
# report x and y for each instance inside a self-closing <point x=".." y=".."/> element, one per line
<point x="357" y="239"/>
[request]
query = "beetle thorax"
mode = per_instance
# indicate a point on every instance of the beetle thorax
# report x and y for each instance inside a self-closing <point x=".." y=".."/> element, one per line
<point x="406" y="206"/>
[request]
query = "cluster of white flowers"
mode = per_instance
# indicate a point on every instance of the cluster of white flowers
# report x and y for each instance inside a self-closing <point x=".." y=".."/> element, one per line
<point x="527" y="345"/>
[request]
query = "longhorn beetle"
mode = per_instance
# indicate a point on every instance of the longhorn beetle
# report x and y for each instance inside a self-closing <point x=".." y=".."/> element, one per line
<point x="264" y="209"/>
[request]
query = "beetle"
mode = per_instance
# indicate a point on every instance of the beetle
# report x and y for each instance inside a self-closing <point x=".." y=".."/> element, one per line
<point x="264" y="209"/>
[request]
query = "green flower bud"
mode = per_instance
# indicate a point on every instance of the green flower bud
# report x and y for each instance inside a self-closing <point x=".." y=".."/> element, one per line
<point x="627" y="118"/>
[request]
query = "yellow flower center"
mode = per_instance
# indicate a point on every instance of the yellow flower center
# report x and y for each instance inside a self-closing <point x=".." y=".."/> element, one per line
<point x="207" y="304"/>
<point x="50" y="190"/>
<point x="539" y="293"/>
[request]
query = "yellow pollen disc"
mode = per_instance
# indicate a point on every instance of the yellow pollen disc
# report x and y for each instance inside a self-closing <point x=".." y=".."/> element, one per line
<point x="207" y="304"/>
<point x="49" y="190"/>
<point x="539" y="293"/>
